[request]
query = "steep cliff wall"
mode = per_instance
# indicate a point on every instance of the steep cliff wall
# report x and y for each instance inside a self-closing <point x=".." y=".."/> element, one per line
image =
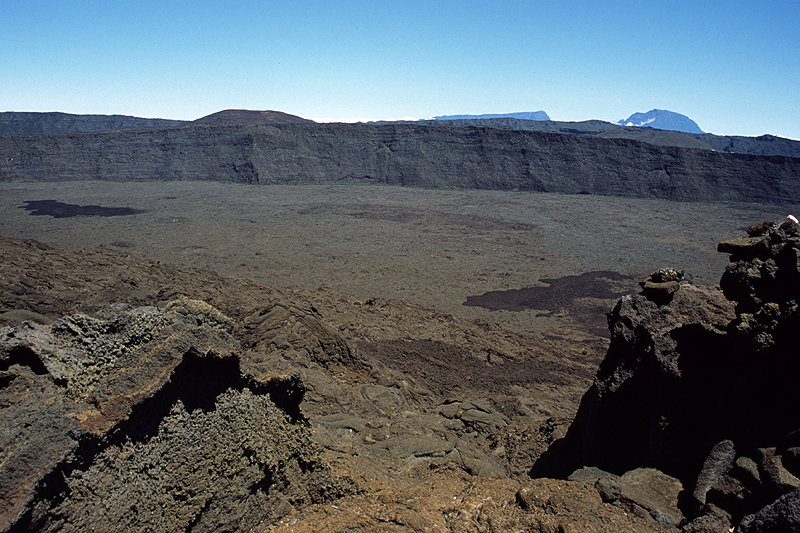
<point x="404" y="154"/>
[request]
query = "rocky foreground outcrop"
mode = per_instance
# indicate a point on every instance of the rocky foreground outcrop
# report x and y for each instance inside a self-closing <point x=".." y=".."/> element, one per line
<point x="151" y="419"/>
<point x="700" y="384"/>
<point x="404" y="154"/>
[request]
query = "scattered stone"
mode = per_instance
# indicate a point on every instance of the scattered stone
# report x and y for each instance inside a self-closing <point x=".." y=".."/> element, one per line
<point x="653" y="491"/>
<point x="661" y="284"/>
<point x="645" y="492"/>
<point x="716" y="465"/>
<point x="744" y="245"/>
<point x="791" y="459"/>
<point x="714" y="522"/>
<point x="663" y="275"/>
<point x="475" y="414"/>
<point x="756" y="230"/>
<point x="774" y="473"/>
<point x="781" y="515"/>
<point x="746" y="471"/>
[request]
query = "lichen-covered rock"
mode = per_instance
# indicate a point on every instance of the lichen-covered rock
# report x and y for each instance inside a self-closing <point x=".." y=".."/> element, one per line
<point x="148" y="419"/>
<point x="661" y="285"/>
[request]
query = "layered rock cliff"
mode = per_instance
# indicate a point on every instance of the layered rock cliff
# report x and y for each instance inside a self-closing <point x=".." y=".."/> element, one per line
<point x="403" y="154"/>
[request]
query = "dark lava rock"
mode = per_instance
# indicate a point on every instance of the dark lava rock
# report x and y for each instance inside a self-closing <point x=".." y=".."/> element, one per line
<point x="33" y="123"/>
<point x="782" y="515"/>
<point x="644" y="492"/>
<point x="657" y="384"/>
<point x="149" y="419"/>
<point x="703" y="387"/>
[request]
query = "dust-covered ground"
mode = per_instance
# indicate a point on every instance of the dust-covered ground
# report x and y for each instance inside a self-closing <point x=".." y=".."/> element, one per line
<point x="543" y="264"/>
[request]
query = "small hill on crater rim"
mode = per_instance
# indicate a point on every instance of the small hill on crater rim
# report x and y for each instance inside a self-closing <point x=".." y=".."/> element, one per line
<point x="232" y="117"/>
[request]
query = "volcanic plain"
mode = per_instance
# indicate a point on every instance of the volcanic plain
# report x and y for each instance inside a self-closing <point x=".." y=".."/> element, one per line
<point x="537" y="263"/>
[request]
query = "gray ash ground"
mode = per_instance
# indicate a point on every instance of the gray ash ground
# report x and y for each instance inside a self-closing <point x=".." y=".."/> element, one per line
<point x="543" y="264"/>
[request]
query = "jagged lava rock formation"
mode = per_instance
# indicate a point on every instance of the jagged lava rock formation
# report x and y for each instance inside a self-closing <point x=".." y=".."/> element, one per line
<point x="255" y="404"/>
<point x="701" y="385"/>
<point x="153" y="419"/>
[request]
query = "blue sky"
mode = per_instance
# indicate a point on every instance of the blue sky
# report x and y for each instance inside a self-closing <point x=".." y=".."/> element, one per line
<point x="733" y="67"/>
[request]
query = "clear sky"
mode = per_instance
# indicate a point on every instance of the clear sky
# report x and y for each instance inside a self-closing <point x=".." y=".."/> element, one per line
<point x="732" y="66"/>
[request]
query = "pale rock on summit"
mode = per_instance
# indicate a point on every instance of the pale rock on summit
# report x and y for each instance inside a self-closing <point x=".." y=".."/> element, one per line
<point x="662" y="119"/>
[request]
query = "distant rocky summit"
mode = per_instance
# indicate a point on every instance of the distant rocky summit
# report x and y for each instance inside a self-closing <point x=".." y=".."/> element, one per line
<point x="22" y="123"/>
<point x="30" y="123"/>
<point x="663" y="120"/>
<point x="527" y="115"/>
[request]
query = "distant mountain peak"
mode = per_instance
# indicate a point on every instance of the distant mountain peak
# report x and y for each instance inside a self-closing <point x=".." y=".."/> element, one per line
<point x="661" y="119"/>
<point x="522" y="115"/>
<point x="231" y="117"/>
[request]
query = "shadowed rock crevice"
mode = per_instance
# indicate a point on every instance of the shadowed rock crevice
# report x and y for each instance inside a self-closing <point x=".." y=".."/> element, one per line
<point x="197" y="382"/>
<point x="21" y="355"/>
